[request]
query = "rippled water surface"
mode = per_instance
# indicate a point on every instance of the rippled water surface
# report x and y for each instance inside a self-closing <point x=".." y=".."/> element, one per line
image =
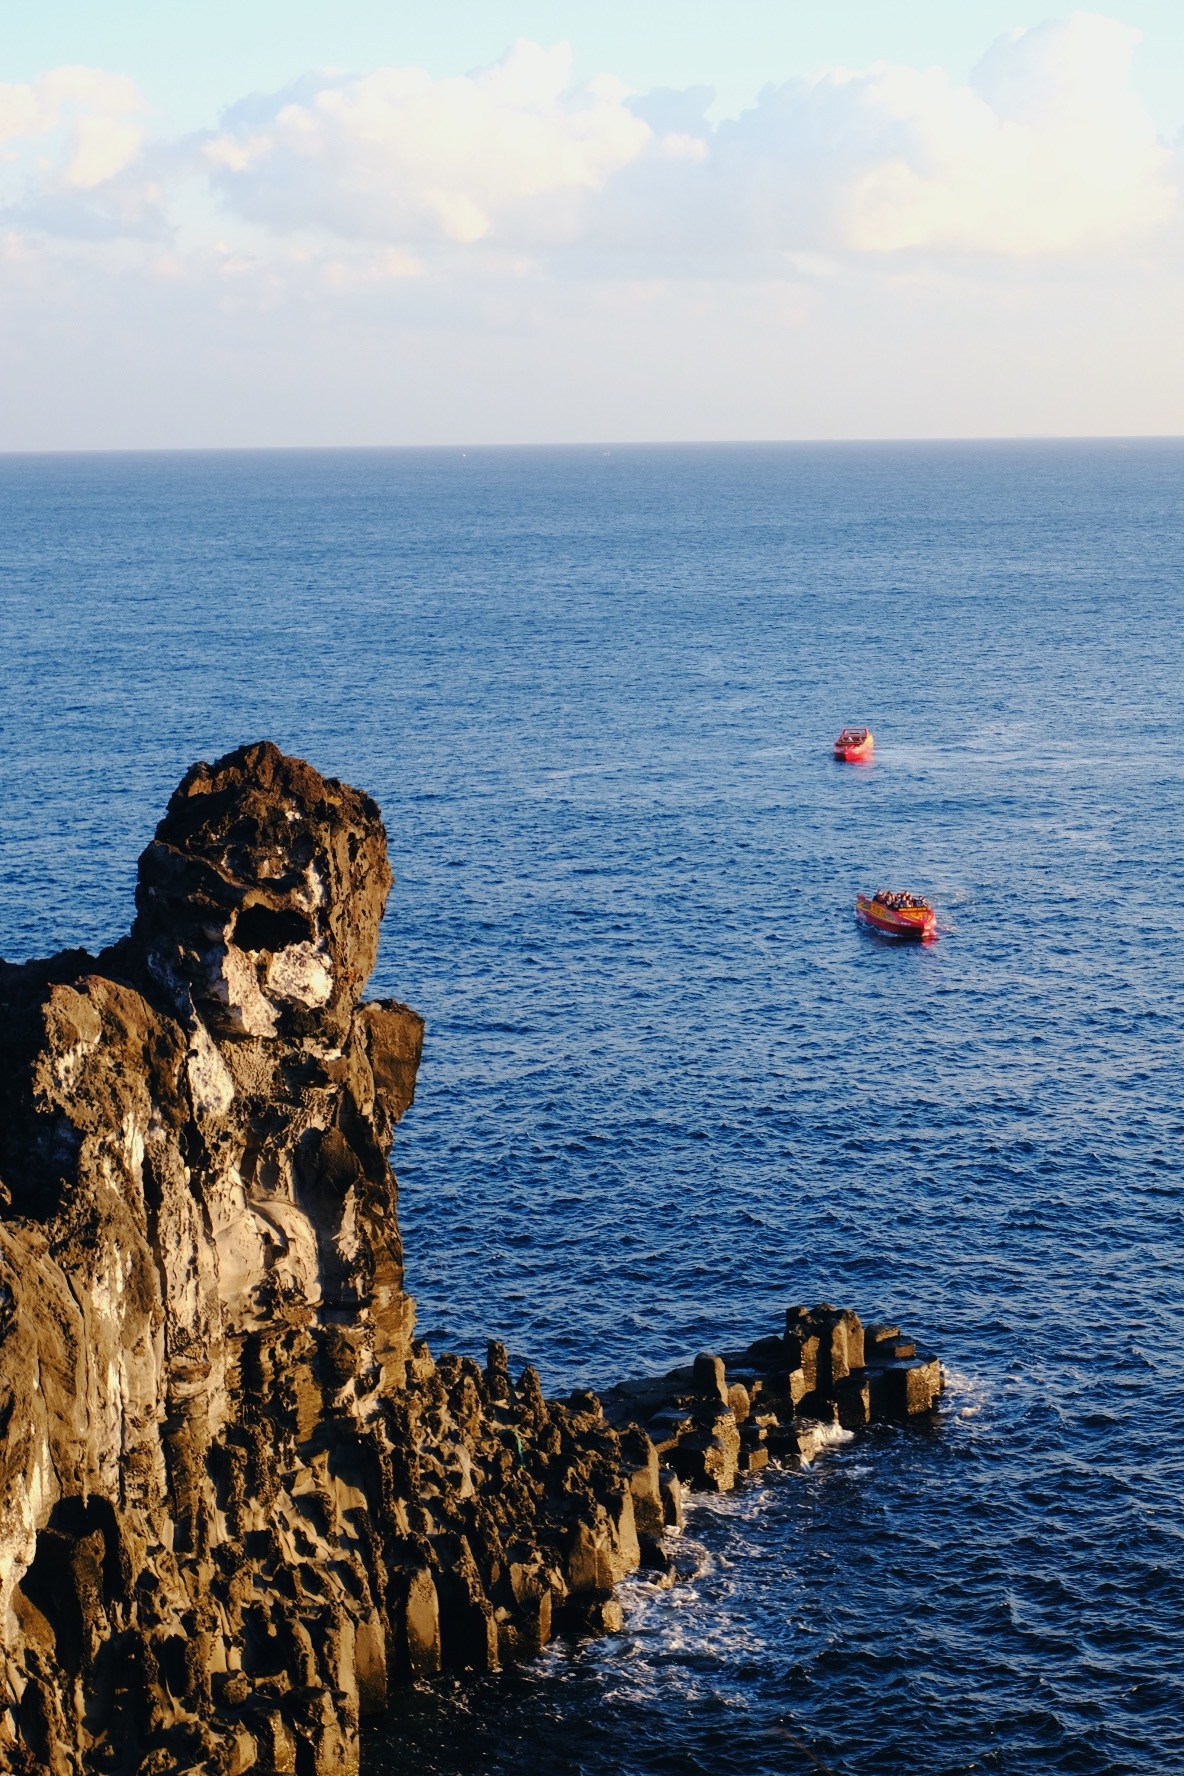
<point x="669" y="1086"/>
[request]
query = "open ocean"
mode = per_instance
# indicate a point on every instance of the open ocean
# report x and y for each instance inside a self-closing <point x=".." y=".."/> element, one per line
<point x="669" y="1087"/>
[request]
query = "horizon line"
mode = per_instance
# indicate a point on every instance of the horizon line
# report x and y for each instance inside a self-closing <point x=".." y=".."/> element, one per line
<point x="602" y="444"/>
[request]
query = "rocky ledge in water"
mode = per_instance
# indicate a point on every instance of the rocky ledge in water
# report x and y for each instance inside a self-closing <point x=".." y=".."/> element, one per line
<point x="238" y="1499"/>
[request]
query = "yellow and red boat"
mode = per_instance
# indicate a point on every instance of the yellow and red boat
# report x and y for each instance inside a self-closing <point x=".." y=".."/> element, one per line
<point x="854" y="745"/>
<point x="894" y="913"/>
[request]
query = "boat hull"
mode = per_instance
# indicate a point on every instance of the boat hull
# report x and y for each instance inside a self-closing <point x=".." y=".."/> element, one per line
<point x="854" y="754"/>
<point x="911" y="924"/>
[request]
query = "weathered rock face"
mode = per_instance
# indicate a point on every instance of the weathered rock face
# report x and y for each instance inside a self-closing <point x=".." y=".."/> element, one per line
<point x="237" y="1499"/>
<point x="221" y="1447"/>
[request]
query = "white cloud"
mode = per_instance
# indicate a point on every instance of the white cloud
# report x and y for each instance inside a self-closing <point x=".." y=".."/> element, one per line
<point x="71" y="150"/>
<point x="89" y="111"/>
<point x="20" y="111"/>
<point x="396" y="155"/>
<point x="1045" y="151"/>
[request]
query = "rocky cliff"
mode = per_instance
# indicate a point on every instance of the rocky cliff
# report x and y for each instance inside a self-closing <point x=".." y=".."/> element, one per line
<point x="238" y="1499"/>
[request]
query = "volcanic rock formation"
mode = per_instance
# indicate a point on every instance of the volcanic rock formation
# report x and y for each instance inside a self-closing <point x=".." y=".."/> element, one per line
<point x="238" y="1500"/>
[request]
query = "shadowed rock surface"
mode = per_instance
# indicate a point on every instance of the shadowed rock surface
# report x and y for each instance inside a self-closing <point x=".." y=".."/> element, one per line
<point x="238" y="1499"/>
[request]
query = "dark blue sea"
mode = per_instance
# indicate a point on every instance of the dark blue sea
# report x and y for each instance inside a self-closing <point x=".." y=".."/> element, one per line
<point x="669" y="1086"/>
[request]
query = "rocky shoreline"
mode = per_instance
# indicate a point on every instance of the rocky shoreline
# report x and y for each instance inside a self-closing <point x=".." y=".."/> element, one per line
<point x="240" y="1500"/>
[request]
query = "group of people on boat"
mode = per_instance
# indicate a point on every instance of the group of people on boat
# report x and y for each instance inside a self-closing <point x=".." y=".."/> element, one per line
<point x="897" y="902"/>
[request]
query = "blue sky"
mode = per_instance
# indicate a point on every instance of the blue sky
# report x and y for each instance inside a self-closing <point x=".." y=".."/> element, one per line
<point x="382" y="223"/>
<point x="195" y="59"/>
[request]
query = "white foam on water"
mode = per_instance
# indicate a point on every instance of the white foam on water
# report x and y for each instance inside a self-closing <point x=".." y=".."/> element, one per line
<point x="836" y="1434"/>
<point x="966" y="1394"/>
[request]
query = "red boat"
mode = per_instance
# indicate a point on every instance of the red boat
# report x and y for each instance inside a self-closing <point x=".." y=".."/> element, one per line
<point x="854" y="745"/>
<point x="895" y="914"/>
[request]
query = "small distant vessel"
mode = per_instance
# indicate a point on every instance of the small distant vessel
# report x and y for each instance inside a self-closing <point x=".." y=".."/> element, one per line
<point x="854" y="745"/>
<point x="895" y="914"/>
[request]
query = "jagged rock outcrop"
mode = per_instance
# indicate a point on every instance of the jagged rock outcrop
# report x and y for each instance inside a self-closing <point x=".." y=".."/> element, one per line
<point x="238" y="1499"/>
<point x="782" y="1399"/>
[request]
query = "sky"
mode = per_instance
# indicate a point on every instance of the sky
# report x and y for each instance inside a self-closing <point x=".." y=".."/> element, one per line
<point x="261" y="224"/>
